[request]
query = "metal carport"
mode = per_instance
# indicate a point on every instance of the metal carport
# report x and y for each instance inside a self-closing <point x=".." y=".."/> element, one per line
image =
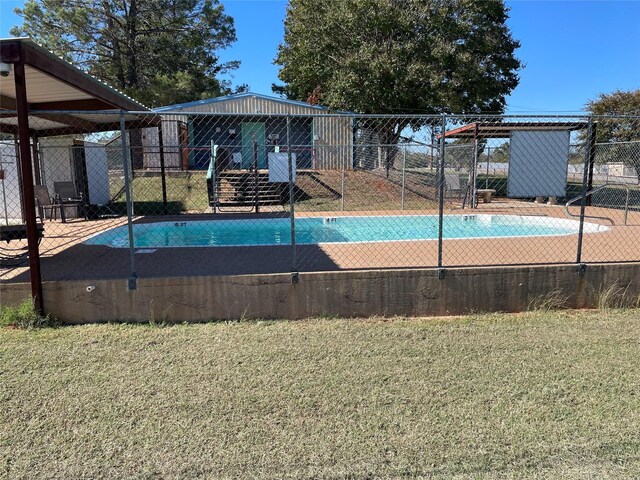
<point x="41" y="85"/>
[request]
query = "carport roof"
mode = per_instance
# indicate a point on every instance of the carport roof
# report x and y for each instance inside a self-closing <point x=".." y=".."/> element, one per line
<point x="53" y="86"/>
<point x="504" y="129"/>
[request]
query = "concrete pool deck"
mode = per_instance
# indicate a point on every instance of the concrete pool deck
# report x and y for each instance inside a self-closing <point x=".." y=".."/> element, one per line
<point x="65" y="257"/>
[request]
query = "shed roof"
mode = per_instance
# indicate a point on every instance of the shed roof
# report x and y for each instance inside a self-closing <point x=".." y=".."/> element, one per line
<point x="504" y="129"/>
<point x="54" y="85"/>
<point x="240" y="96"/>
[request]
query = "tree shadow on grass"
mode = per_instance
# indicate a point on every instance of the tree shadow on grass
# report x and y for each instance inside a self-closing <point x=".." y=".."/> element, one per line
<point x="141" y="208"/>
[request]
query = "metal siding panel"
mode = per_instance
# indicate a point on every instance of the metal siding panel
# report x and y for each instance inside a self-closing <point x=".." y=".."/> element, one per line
<point x="538" y="164"/>
<point x="334" y="146"/>
<point x="170" y="137"/>
<point x="41" y="88"/>
<point x="151" y="141"/>
<point x="149" y="148"/>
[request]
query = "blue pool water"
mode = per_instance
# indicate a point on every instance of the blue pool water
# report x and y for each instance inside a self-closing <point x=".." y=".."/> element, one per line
<point x="276" y="231"/>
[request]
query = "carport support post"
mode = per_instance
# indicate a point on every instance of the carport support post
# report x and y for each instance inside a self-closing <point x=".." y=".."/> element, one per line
<point x="133" y="278"/>
<point x="29" y="201"/>
<point x="163" y="177"/>
<point x="441" y="183"/>
<point x="585" y="185"/>
<point x="292" y="211"/>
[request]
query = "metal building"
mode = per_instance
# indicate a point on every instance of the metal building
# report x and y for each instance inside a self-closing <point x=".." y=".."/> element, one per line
<point x="320" y="139"/>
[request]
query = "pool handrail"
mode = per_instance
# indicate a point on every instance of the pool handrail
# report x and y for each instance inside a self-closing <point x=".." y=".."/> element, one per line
<point x="626" y="186"/>
<point x="212" y="181"/>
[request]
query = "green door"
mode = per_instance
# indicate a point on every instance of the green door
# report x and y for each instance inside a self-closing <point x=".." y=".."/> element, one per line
<point x="253" y="132"/>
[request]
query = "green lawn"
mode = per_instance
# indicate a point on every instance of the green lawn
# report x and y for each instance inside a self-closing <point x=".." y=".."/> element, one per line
<point x="320" y="192"/>
<point x="186" y="192"/>
<point x="544" y="395"/>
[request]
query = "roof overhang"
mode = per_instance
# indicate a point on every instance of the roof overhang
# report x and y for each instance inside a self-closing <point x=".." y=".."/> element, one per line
<point x="55" y="88"/>
<point x="504" y="129"/>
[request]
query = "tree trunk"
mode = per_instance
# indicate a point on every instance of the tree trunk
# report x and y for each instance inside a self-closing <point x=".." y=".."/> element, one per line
<point x="115" y="42"/>
<point x="388" y="136"/>
<point x="132" y="64"/>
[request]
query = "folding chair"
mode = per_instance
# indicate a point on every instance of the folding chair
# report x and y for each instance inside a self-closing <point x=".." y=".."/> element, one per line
<point x="66" y="193"/>
<point x="46" y="202"/>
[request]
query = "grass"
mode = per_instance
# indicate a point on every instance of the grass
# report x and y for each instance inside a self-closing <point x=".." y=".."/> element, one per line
<point x="616" y="297"/>
<point x="364" y="191"/>
<point x="553" y="300"/>
<point x="188" y="193"/>
<point x="542" y="394"/>
<point x="24" y="316"/>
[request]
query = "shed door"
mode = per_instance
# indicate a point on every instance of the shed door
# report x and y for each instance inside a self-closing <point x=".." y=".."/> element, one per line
<point x="79" y="169"/>
<point x="253" y="132"/>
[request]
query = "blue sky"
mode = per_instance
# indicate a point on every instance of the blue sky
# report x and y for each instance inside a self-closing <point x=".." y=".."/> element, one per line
<point x="572" y="50"/>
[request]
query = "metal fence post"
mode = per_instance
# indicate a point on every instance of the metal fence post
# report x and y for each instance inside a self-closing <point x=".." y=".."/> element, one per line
<point x="441" y="185"/>
<point x="213" y="170"/>
<point x="292" y="212"/>
<point x="163" y="173"/>
<point x="486" y="180"/>
<point x="4" y="198"/>
<point x="585" y="180"/>
<point x="16" y="148"/>
<point x="132" y="281"/>
<point x="626" y="206"/>
<point x="354" y="141"/>
<point x="473" y="201"/>
<point x="255" y="176"/>
<point x="342" y="181"/>
<point x="404" y="165"/>
<point x="431" y="146"/>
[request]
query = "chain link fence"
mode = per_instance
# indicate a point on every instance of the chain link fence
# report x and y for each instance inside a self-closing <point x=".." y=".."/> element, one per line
<point x="189" y="193"/>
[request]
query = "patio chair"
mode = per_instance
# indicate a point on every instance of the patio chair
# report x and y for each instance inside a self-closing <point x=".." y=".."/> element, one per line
<point x="46" y="202"/>
<point x="66" y="193"/>
<point x="452" y="185"/>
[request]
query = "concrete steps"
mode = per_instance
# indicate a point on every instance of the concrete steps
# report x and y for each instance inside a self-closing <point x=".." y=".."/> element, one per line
<point x="243" y="189"/>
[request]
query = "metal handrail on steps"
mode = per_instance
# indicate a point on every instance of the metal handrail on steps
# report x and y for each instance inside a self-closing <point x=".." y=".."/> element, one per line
<point x="626" y="186"/>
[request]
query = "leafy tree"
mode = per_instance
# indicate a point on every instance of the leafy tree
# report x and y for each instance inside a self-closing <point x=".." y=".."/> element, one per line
<point x="157" y="51"/>
<point x="621" y="126"/>
<point x="399" y="56"/>
<point x="615" y="104"/>
<point x="500" y="154"/>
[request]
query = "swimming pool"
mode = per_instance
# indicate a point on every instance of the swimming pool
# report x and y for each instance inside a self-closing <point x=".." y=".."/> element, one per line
<point x="351" y="229"/>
